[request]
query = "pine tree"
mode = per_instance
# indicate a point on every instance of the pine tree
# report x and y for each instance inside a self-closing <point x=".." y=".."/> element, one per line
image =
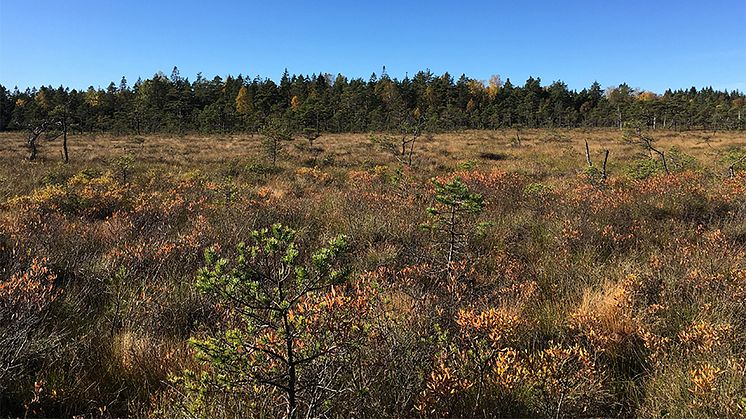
<point x="454" y="202"/>
<point x="273" y="339"/>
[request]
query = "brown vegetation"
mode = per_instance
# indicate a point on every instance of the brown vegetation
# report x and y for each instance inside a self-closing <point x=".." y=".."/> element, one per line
<point x="572" y="294"/>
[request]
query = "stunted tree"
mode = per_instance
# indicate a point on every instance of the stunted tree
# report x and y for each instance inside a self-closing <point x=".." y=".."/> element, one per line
<point x="274" y="134"/>
<point x="647" y="142"/>
<point x="124" y="165"/>
<point x="402" y="149"/>
<point x="62" y="119"/>
<point x="311" y="134"/>
<point x="453" y="204"/>
<point x="56" y="124"/>
<point x="410" y="134"/>
<point x="33" y="138"/>
<point x="273" y="332"/>
<point x="735" y="160"/>
<point x="516" y="142"/>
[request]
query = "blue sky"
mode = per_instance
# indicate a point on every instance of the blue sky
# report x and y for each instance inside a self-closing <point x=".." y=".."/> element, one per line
<point x="649" y="44"/>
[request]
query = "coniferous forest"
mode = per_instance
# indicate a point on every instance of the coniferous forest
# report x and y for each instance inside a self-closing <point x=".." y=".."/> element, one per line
<point x="326" y="103"/>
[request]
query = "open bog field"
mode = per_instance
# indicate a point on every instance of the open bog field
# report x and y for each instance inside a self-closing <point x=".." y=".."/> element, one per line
<point x="541" y="152"/>
<point x="496" y="275"/>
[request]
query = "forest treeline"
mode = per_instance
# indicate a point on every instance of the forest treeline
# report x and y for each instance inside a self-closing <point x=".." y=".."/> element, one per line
<point x="164" y="104"/>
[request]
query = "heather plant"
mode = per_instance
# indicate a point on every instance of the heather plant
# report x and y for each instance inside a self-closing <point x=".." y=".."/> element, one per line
<point x="643" y="168"/>
<point x="88" y="194"/>
<point x="735" y="160"/>
<point x="680" y="161"/>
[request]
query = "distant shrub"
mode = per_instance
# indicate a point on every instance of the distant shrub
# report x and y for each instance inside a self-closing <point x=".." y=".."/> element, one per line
<point x="735" y="157"/>
<point x="58" y="175"/>
<point x="643" y="168"/>
<point x="85" y="194"/>
<point x="536" y="189"/>
<point x="593" y="175"/>
<point x="257" y="168"/>
<point x="90" y="173"/>
<point x="679" y="161"/>
<point x="466" y="165"/>
<point x="124" y="166"/>
<point x="313" y="174"/>
<point x="327" y="160"/>
<point x="554" y="136"/>
<point x="136" y="139"/>
<point x="494" y="156"/>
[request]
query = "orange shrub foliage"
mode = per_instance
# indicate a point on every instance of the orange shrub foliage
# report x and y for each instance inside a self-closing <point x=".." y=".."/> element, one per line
<point x="497" y="325"/>
<point x="703" y="336"/>
<point x="28" y="293"/>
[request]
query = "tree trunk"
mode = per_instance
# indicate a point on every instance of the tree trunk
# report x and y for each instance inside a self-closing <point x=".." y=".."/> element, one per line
<point x="452" y="241"/>
<point x="411" y="151"/>
<point x="588" y="154"/>
<point x="292" y="378"/>
<point x="31" y="142"/>
<point x="32" y="146"/>
<point x="663" y="158"/>
<point x="66" y="158"/>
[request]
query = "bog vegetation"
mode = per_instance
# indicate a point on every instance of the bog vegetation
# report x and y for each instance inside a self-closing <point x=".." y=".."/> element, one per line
<point x="531" y="272"/>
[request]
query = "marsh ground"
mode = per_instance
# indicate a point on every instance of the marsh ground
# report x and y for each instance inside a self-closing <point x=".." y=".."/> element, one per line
<point x="572" y="296"/>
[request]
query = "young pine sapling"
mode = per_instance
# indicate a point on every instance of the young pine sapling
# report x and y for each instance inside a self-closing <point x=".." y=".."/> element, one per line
<point x="448" y="217"/>
<point x="270" y="339"/>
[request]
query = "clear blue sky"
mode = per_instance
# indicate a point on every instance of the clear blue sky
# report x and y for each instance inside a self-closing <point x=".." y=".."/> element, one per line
<point x="652" y="44"/>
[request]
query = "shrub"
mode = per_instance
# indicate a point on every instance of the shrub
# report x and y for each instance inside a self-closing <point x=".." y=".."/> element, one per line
<point x="26" y="338"/>
<point x="644" y="168"/>
<point x="679" y="161"/>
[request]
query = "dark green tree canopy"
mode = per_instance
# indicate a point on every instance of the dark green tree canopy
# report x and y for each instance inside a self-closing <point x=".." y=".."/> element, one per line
<point x="326" y="103"/>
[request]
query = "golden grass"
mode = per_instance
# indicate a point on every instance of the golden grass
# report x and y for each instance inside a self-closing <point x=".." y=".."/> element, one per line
<point x="541" y="151"/>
